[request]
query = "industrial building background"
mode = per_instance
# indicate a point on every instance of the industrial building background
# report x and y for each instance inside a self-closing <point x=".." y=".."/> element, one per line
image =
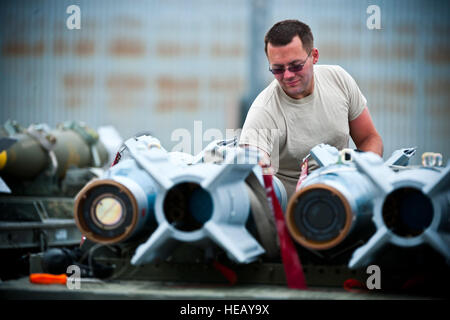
<point x="158" y="66"/>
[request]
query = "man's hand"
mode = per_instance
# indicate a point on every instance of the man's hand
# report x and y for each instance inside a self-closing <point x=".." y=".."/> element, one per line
<point x="364" y="134"/>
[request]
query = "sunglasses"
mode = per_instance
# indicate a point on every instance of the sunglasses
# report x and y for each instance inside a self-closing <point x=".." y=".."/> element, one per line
<point x="297" y="67"/>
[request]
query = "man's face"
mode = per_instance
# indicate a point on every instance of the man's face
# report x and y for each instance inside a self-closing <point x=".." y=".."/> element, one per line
<point x="296" y="84"/>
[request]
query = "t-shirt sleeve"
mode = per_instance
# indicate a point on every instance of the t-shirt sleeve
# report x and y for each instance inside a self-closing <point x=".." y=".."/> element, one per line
<point x="259" y="130"/>
<point x="357" y="101"/>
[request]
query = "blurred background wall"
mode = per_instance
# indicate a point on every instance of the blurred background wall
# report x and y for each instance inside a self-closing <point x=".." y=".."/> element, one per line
<point x="158" y="66"/>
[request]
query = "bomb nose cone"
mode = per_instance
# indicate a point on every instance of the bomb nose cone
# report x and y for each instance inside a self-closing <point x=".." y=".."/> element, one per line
<point x="319" y="217"/>
<point x="106" y="211"/>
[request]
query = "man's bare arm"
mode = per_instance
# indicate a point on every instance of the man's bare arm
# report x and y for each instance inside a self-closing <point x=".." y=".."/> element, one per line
<point x="364" y="134"/>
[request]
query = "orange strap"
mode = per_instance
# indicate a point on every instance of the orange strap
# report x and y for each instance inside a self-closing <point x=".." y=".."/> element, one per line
<point x="47" y="278"/>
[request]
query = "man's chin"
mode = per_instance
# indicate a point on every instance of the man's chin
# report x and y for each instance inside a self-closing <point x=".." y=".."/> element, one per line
<point x="292" y="92"/>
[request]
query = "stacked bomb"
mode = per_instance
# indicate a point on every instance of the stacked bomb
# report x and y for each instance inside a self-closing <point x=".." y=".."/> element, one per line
<point x="27" y="152"/>
<point x="409" y="206"/>
<point x="173" y="198"/>
<point x="41" y="169"/>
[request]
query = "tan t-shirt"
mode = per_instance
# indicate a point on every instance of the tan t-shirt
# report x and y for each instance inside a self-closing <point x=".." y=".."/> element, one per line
<point x="287" y="129"/>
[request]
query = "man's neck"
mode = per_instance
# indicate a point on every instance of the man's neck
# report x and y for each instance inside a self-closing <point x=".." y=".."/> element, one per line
<point x="304" y="93"/>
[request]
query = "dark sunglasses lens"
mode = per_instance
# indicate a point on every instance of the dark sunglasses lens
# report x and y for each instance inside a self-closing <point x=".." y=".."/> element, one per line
<point x="296" y="68"/>
<point x="278" y="71"/>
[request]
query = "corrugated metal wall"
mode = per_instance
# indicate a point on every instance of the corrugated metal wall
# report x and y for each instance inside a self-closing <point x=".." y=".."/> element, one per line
<point x="403" y="69"/>
<point x="160" y="65"/>
<point x="138" y="65"/>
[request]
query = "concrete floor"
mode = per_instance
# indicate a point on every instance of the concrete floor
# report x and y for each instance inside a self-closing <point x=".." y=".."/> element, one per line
<point x="152" y="290"/>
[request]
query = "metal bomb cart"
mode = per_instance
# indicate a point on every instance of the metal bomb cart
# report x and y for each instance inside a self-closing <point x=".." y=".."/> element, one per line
<point x="41" y="171"/>
<point x="161" y="225"/>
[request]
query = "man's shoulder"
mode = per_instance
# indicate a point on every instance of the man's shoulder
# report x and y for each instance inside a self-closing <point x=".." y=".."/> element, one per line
<point x="333" y="74"/>
<point x="330" y="69"/>
<point x="265" y="98"/>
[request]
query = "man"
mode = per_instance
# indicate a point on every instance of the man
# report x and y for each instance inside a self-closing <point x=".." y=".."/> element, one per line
<point x="305" y="105"/>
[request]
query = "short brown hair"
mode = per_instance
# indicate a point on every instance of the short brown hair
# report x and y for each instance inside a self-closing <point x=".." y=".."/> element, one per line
<point x="284" y="31"/>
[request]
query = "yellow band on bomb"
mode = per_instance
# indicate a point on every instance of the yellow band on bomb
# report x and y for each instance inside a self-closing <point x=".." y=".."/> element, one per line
<point x="3" y="158"/>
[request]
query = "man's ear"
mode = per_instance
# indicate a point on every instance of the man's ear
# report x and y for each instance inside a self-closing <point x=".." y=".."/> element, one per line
<point x="315" y="54"/>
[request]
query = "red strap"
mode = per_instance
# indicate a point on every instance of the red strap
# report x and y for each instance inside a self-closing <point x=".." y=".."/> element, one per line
<point x="83" y="239"/>
<point x="116" y="160"/>
<point x="353" y="285"/>
<point x="418" y="280"/>
<point x="303" y="174"/>
<point x="291" y="262"/>
<point x="229" y="274"/>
